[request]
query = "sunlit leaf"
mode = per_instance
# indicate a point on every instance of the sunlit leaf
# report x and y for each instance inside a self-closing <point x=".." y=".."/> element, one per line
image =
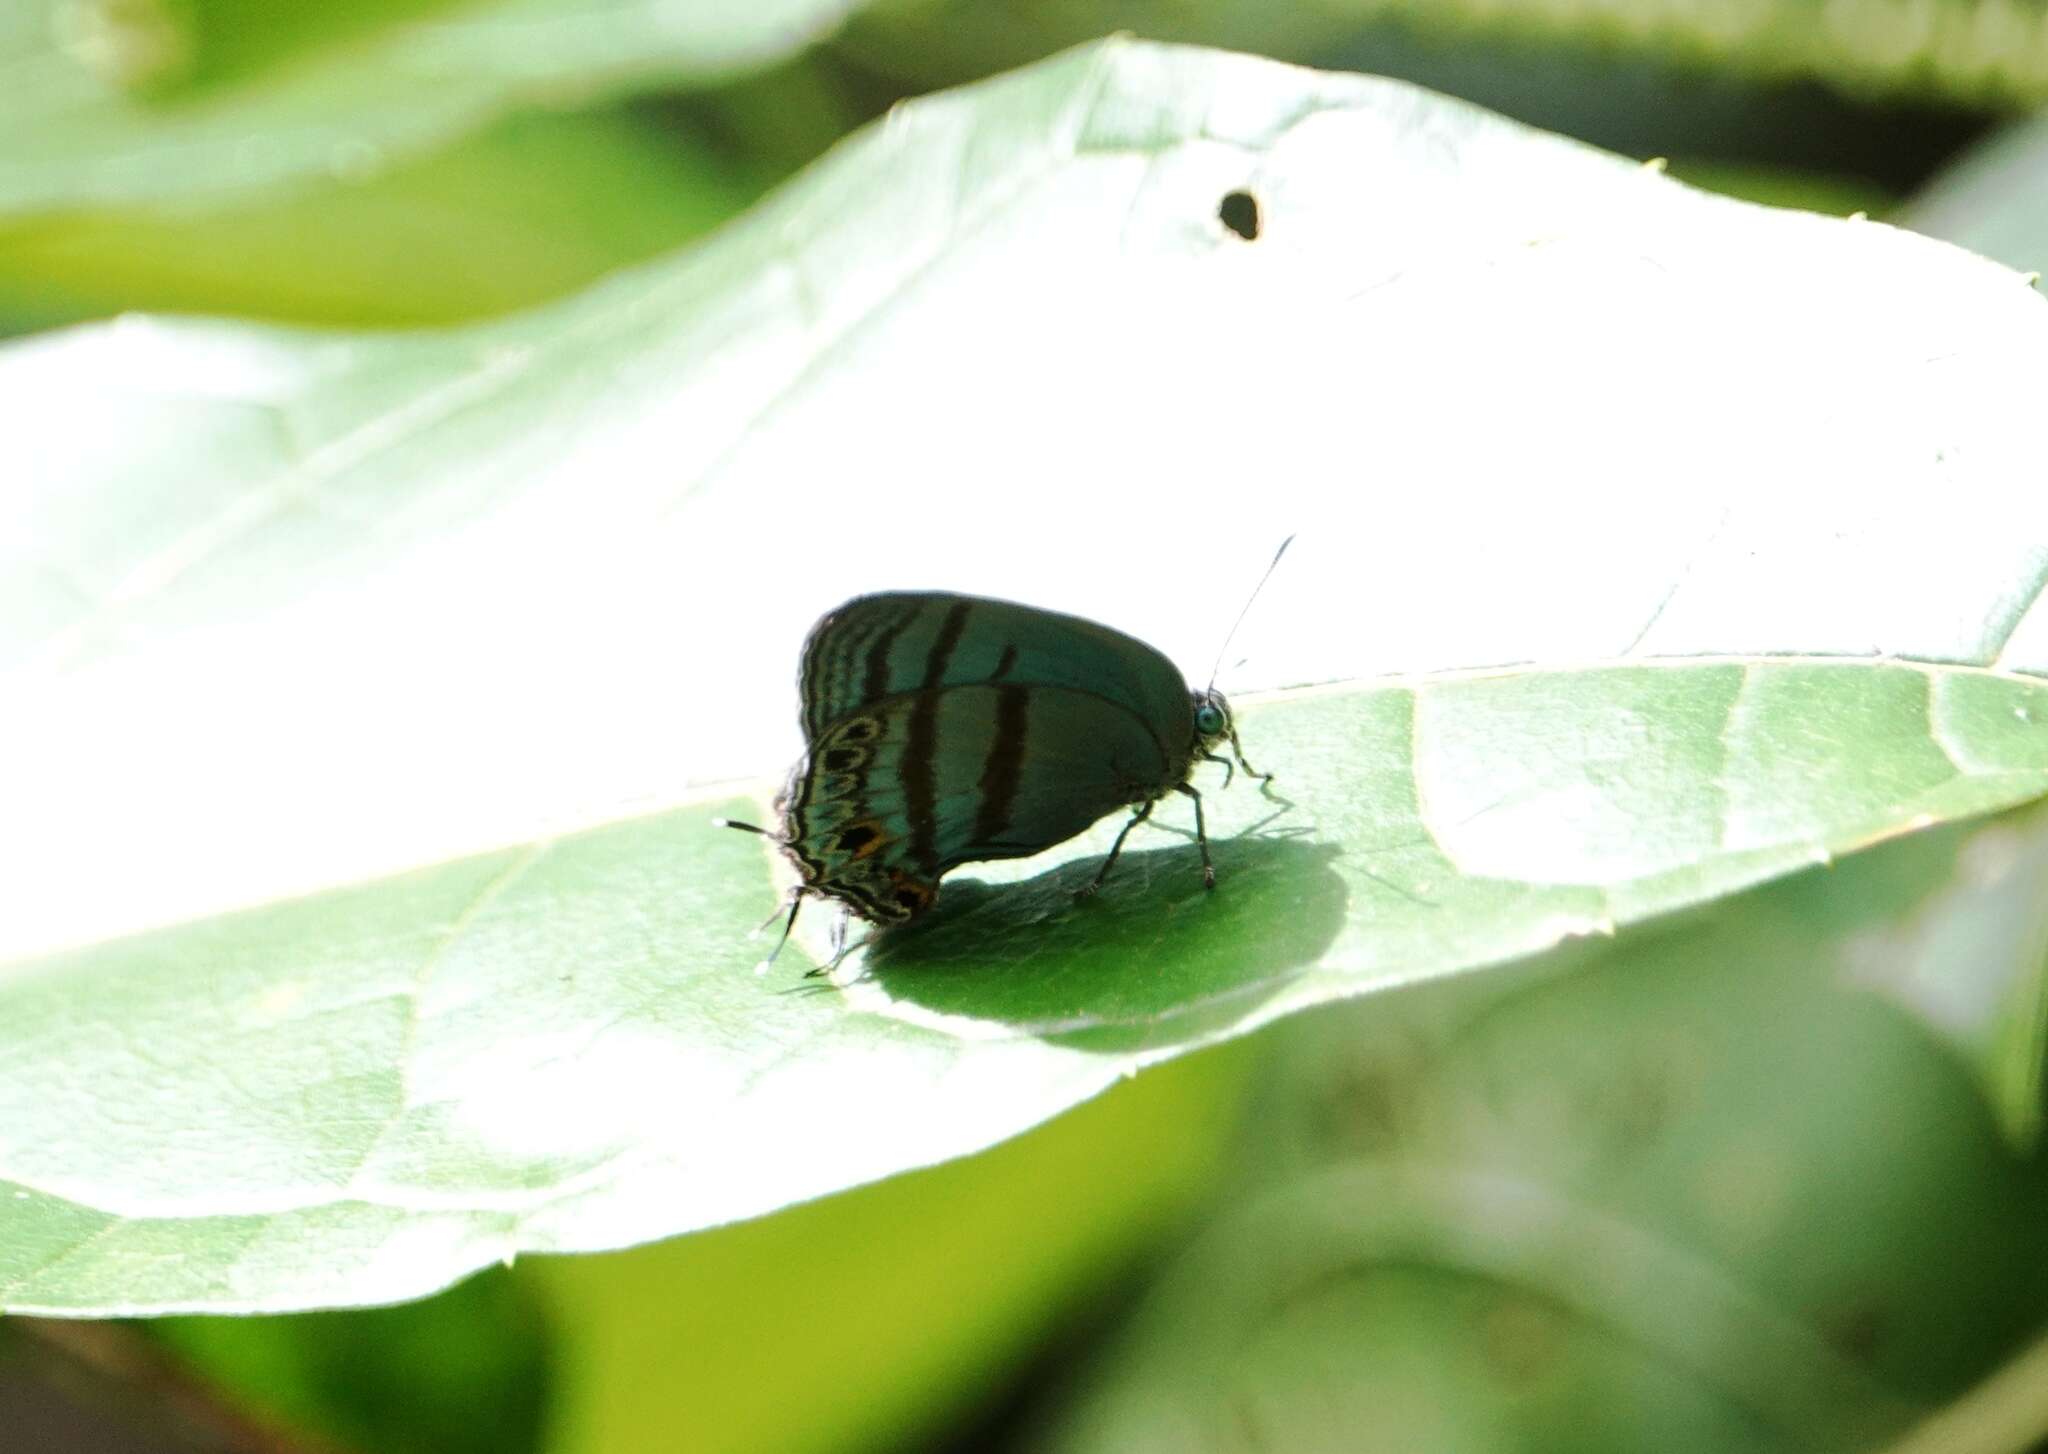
<point x="368" y="922"/>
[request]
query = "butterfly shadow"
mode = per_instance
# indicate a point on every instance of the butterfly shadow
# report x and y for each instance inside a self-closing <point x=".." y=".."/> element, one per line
<point x="1150" y="960"/>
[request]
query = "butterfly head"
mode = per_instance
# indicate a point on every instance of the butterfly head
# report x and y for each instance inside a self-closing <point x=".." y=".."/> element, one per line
<point x="1212" y="719"/>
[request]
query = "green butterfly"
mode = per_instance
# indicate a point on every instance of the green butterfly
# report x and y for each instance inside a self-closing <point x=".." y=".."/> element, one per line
<point x="942" y="729"/>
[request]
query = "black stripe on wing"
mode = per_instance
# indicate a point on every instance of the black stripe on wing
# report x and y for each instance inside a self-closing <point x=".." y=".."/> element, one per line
<point x="919" y="776"/>
<point x="1002" y="769"/>
<point x="845" y="664"/>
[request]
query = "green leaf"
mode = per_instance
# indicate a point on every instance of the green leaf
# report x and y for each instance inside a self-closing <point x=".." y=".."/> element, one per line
<point x="1971" y="960"/>
<point x="117" y="102"/>
<point x="468" y="1372"/>
<point x="1778" y="186"/>
<point x="521" y="212"/>
<point x="368" y="924"/>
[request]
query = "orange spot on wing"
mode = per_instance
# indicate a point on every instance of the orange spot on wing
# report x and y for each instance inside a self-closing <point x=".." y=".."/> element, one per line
<point x="863" y="839"/>
<point x="914" y="895"/>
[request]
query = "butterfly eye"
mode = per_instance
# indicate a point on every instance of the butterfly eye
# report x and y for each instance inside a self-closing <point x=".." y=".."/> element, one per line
<point x="1209" y="719"/>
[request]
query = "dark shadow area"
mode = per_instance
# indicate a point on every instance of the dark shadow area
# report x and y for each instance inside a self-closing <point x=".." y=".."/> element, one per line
<point x="1152" y="959"/>
<point x="1642" y="104"/>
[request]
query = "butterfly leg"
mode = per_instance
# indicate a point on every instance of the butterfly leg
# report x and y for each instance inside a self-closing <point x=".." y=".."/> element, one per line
<point x="840" y="949"/>
<point x="1229" y="768"/>
<point x="1250" y="771"/>
<point x="773" y="914"/>
<point x="1201" y="835"/>
<point x="796" y="901"/>
<point x="1115" y="848"/>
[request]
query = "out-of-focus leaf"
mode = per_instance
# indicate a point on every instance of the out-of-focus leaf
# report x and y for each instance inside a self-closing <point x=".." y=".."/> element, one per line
<point x="115" y="103"/>
<point x="1778" y="187"/>
<point x="432" y="616"/>
<point x="1972" y="51"/>
<point x="1995" y="200"/>
<point x="1704" y="1191"/>
<point x="467" y="1372"/>
<point x="867" y="1319"/>
<point x="1971" y="959"/>
<point x="2008" y="1411"/>
<point x="522" y="212"/>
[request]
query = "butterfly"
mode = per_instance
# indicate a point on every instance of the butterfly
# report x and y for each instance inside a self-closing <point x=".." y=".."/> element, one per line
<point x="942" y="729"/>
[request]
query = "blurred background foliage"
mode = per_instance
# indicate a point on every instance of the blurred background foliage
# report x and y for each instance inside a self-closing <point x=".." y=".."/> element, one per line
<point x="1767" y="1176"/>
<point x="422" y="161"/>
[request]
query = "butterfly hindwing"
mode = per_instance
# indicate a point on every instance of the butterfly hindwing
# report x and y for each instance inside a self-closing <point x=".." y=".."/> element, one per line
<point x="895" y="794"/>
<point x="882" y="646"/>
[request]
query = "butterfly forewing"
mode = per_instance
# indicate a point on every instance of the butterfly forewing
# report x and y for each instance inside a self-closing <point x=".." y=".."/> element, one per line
<point x="880" y="646"/>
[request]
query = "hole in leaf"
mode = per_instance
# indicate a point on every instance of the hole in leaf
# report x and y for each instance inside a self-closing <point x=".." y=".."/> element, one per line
<point x="1239" y="212"/>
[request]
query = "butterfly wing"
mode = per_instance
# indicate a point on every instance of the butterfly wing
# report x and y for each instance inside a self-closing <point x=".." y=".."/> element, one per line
<point x="897" y="793"/>
<point x="882" y="646"/>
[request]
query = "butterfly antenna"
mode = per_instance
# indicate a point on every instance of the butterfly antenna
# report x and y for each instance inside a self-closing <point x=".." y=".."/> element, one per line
<point x="1245" y="611"/>
<point x="744" y="828"/>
